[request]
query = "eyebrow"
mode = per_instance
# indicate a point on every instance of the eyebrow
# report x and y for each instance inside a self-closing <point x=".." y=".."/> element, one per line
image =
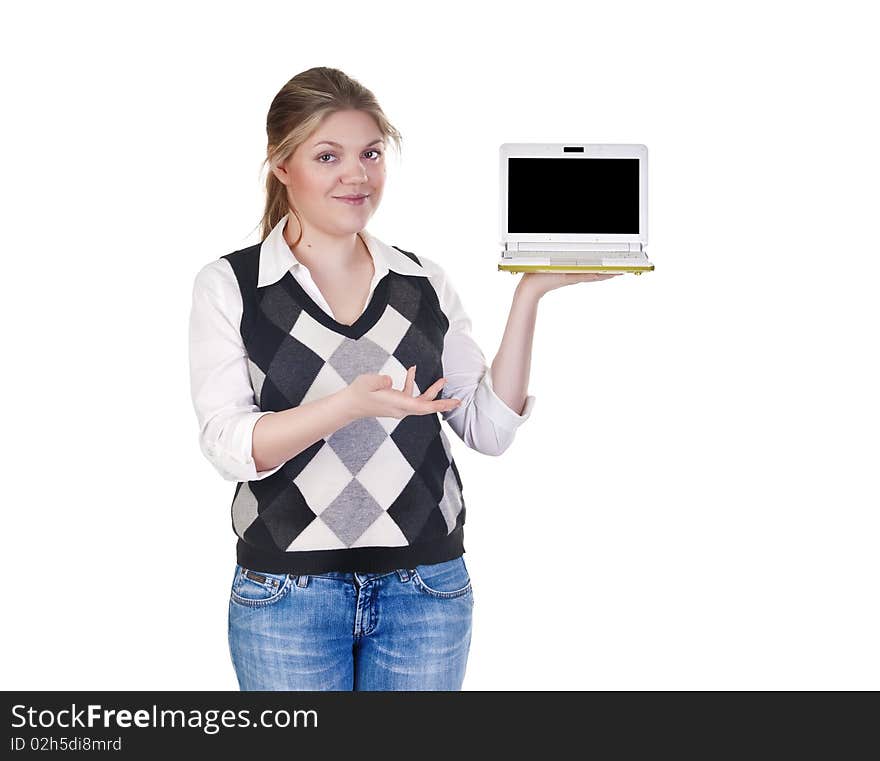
<point x="337" y="145"/>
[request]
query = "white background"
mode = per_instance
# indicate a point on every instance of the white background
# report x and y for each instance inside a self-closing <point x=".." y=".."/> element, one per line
<point x="693" y="503"/>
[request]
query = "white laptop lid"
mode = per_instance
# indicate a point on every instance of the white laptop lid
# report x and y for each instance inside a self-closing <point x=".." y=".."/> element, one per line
<point x="565" y="196"/>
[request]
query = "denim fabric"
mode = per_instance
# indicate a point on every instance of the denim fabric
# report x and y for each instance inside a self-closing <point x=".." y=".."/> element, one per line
<point x="408" y="629"/>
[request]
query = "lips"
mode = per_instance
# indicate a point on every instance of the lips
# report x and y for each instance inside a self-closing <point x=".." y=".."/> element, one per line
<point x="352" y="198"/>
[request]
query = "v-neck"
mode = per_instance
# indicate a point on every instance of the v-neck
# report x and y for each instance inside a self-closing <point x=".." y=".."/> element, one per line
<point x="369" y="317"/>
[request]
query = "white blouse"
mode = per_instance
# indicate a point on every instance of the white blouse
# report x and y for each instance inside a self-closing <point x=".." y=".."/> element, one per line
<point x="221" y="389"/>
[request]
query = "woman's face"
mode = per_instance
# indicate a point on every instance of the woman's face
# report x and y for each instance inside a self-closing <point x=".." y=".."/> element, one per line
<point x="318" y="172"/>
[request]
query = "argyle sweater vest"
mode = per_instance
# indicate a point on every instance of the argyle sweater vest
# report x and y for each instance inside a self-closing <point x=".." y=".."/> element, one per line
<point x="379" y="493"/>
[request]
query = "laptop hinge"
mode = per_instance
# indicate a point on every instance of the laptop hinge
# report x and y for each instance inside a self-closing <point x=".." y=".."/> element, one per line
<point x="562" y="247"/>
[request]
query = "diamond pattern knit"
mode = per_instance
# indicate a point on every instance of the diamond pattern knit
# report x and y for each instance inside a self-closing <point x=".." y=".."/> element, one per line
<point x="377" y="494"/>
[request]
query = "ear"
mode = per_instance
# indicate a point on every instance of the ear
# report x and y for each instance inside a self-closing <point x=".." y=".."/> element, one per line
<point x="282" y="174"/>
<point x="280" y="171"/>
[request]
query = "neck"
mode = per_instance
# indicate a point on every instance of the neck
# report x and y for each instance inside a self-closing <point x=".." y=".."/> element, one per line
<point x="319" y="251"/>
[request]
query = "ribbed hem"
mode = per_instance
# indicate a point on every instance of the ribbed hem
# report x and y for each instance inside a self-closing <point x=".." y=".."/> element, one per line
<point x="367" y="559"/>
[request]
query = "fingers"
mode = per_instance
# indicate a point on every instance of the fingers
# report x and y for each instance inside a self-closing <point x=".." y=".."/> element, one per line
<point x="424" y="407"/>
<point x="434" y="389"/>
<point x="428" y="393"/>
<point x="426" y="403"/>
<point x="439" y="405"/>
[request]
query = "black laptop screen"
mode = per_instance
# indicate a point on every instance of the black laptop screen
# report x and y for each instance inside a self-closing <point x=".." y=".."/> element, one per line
<point x="573" y="195"/>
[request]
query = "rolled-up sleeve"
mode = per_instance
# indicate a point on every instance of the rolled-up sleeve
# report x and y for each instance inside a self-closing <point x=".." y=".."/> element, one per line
<point x="483" y="421"/>
<point x="220" y="384"/>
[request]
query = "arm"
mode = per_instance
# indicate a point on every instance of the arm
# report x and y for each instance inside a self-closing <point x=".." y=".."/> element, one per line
<point x="281" y="436"/>
<point x="484" y="421"/>
<point x="512" y="363"/>
<point x="243" y="442"/>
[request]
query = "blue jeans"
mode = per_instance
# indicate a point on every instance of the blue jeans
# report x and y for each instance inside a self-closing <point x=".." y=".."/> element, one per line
<point x="408" y="629"/>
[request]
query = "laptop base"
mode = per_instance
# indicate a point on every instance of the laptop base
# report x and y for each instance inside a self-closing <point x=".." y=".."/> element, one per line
<point x="635" y="269"/>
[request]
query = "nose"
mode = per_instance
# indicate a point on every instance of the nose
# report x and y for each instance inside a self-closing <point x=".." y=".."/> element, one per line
<point x="356" y="174"/>
<point x="354" y="179"/>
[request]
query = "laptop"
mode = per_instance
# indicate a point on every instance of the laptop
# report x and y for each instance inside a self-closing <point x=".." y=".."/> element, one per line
<point x="574" y="207"/>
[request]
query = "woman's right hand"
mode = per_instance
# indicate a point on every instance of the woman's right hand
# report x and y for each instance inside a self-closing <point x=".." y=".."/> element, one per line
<point x="372" y="395"/>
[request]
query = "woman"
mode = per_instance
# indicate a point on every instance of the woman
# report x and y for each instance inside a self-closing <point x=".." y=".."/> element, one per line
<point x="320" y="359"/>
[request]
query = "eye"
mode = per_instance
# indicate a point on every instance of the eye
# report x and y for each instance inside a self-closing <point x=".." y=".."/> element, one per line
<point x="371" y="150"/>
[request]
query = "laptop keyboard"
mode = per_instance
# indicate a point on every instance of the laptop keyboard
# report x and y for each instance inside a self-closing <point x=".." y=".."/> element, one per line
<point x="597" y="256"/>
<point x="596" y="259"/>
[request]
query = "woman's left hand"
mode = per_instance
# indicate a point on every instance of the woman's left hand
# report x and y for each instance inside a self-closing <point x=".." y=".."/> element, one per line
<point x="542" y="282"/>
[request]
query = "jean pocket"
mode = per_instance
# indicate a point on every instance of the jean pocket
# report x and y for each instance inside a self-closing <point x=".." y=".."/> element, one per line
<point x="447" y="579"/>
<point x="258" y="588"/>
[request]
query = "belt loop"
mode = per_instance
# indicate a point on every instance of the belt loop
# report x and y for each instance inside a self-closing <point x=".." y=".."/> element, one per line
<point x="404" y="574"/>
<point x="302" y="580"/>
